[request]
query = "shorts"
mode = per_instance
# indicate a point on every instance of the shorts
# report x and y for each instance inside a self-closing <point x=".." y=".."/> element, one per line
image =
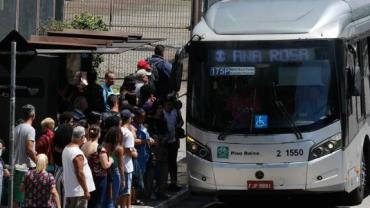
<point x="128" y="184"/>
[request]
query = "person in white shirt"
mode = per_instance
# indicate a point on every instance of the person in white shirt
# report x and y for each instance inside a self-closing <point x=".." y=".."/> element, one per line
<point x="130" y="152"/>
<point x="77" y="175"/>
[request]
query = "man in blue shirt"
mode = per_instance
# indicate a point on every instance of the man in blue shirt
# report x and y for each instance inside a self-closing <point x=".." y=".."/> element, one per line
<point x="107" y="88"/>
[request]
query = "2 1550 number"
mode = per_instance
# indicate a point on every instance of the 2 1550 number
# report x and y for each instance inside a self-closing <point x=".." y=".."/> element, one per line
<point x="290" y="152"/>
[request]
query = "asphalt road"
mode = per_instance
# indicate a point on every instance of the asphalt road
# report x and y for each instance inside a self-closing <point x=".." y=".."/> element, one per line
<point x="316" y="202"/>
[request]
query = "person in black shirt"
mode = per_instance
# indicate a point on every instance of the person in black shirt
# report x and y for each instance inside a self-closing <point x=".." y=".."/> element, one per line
<point x="111" y="117"/>
<point x="62" y="137"/>
<point x="157" y="128"/>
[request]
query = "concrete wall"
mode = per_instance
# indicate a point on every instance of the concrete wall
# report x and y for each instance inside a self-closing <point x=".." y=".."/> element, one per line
<point x="32" y="14"/>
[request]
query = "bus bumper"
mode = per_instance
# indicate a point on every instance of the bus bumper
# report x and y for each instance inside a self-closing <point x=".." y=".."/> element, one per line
<point x="321" y="175"/>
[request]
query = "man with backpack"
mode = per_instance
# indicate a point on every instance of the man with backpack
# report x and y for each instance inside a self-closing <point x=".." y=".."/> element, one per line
<point x="163" y="68"/>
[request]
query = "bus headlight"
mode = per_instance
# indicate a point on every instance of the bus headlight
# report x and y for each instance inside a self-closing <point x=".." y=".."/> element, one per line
<point x="198" y="149"/>
<point x="326" y="147"/>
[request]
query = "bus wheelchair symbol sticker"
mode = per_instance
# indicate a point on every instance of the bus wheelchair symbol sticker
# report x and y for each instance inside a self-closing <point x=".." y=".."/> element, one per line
<point x="261" y="121"/>
<point x="223" y="152"/>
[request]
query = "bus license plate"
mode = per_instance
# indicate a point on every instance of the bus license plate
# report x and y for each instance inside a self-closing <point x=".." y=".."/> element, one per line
<point x="260" y="185"/>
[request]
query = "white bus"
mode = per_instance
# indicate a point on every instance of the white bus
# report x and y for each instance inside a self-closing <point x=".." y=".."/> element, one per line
<point x="279" y="98"/>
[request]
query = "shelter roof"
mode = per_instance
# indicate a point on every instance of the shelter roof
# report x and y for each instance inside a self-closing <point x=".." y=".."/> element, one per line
<point x="78" y="41"/>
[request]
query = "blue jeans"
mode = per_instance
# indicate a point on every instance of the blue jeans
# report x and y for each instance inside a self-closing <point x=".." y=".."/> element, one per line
<point x="100" y="194"/>
<point x="116" y="186"/>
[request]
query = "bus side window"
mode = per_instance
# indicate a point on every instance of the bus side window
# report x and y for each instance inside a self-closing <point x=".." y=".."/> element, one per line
<point x="365" y="65"/>
<point x="349" y="66"/>
<point x="359" y="80"/>
<point x="353" y="100"/>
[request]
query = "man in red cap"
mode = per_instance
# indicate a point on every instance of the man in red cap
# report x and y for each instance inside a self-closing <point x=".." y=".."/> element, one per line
<point x="144" y="64"/>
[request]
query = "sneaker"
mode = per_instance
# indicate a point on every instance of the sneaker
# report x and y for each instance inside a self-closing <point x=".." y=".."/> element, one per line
<point x="138" y="202"/>
<point x="174" y="187"/>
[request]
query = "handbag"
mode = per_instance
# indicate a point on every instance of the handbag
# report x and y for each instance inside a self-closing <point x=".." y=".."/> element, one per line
<point x="180" y="133"/>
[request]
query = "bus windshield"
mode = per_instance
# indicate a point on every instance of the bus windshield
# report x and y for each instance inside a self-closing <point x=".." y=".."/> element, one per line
<point x="262" y="87"/>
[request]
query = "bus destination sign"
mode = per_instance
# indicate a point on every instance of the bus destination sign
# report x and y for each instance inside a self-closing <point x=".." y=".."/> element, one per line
<point x="262" y="56"/>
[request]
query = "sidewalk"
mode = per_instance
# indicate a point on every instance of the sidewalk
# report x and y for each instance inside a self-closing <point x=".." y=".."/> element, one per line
<point x="174" y="197"/>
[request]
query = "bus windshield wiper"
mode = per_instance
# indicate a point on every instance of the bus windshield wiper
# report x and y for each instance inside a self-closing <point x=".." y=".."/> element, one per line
<point x="228" y="131"/>
<point x="280" y="106"/>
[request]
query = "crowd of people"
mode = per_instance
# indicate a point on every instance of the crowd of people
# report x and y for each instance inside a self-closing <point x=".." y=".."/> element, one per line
<point x="106" y="150"/>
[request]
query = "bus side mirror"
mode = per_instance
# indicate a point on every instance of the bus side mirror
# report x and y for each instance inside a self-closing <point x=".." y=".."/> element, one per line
<point x="181" y="53"/>
<point x="352" y="49"/>
<point x="178" y="69"/>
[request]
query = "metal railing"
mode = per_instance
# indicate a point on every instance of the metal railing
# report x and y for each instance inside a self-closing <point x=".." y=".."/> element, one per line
<point x="168" y="19"/>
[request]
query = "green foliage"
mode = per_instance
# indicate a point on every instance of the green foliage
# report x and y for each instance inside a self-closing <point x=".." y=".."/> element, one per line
<point x="87" y="21"/>
<point x="52" y="25"/>
<point x="84" y="21"/>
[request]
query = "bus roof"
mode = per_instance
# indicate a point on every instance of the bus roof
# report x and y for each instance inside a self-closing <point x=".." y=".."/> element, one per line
<point x="281" y="19"/>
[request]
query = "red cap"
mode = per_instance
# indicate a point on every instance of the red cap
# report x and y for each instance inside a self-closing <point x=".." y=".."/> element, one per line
<point x="143" y="64"/>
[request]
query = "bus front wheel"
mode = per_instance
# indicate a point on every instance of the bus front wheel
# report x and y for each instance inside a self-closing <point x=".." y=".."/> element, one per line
<point x="357" y="195"/>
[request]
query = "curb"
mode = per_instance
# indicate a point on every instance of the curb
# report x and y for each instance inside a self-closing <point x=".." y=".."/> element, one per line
<point x="181" y="195"/>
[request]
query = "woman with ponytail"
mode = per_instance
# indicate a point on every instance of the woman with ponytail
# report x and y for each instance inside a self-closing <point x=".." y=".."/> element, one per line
<point x="99" y="162"/>
<point x="39" y="186"/>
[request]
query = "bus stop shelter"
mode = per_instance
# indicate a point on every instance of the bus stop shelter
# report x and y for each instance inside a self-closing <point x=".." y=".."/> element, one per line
<point x="41" y="64"/>
<point x="38" y="69"/>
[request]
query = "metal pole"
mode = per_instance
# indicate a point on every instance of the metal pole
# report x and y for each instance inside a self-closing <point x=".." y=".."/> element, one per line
<point x="59" y="9"/>
<point x="38" y="15"/>
<point x="111" y="13"/>
<point x="110" y="27"/>
<point x="12" y="120"/>
<point x="196" y="12"/>
<point x="16" y="15"/>
<point x="54" y="7"/>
